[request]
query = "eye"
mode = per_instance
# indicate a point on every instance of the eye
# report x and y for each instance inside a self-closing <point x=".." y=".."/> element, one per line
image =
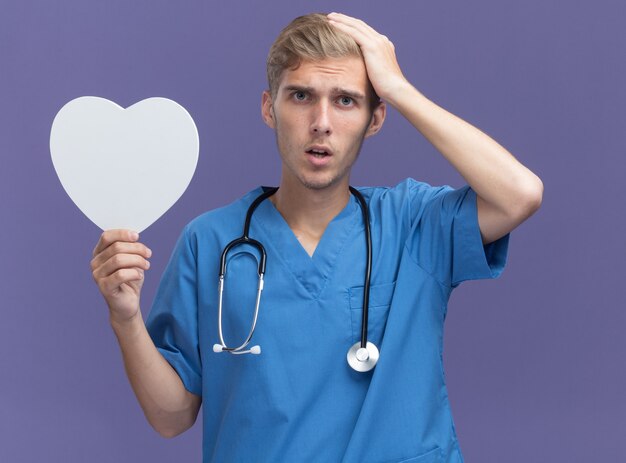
<point x="300" y="96"/>
<point x="346" y="101"/>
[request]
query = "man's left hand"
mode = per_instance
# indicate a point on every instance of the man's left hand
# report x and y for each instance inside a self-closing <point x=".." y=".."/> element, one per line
<point x="379" y="54"/>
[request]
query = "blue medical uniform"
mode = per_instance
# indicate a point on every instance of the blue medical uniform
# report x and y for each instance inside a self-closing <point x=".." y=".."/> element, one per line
<point x="299" y="401"/>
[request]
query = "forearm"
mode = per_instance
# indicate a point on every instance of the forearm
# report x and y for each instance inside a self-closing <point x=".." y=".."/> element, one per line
<point x="494" y="174"/>
<point x="168" y="406"/>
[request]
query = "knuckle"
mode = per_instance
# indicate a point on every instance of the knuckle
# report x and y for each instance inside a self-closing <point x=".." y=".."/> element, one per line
<point x="118" y="277"/>
<point x="105" y="238"/>
<point x="117" y="260"/>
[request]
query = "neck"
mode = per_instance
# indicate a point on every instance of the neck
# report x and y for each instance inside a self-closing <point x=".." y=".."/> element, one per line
<point x="307" y="211"/>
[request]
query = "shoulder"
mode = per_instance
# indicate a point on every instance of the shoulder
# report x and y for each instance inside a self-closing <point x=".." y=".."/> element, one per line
<point x="407" y="187"/>
<point x="413" y="200"/>
<point x="407" y="191"/>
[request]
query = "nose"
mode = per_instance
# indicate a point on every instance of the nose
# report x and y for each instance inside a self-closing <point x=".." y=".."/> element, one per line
<point x="321" y="119"/>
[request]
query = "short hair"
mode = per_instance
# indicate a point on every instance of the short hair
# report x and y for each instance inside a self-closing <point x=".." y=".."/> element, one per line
<point x="310" y="38"/>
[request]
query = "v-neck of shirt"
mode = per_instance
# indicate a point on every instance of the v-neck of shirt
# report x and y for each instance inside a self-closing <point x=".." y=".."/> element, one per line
<point x="314" y="271"/>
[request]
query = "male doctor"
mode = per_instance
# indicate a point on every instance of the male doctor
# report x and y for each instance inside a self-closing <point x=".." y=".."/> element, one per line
<point x="330" y="79"/>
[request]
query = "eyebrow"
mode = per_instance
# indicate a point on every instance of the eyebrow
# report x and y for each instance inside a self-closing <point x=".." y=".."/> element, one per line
<point x="335" y="90"/>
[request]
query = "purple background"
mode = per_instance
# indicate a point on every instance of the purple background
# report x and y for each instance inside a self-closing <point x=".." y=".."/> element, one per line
<point x="534" y="360"/>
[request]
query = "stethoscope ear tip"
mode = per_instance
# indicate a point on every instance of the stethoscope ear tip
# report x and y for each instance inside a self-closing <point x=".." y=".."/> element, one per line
<point x="255" y="350"/>
<point x="218" y="348"/>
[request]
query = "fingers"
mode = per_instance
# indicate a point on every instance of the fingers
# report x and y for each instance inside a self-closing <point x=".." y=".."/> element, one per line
<point x="379" y="55"/>
<point x="119" y="258"/>
<point x="358" y="24"/>
<point x="360" y="31"/>
<point x="108" y="237"/>
<point x="119" y="248"/>
<point x="350" y="27"/>
<point x="110" y="284"/>
<point x="118" y="269"/>
<point x="118" y="262"/>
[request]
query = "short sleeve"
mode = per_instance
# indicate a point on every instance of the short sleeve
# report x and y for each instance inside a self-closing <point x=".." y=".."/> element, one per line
<point x="445" y="238"/>
<point x="173" y="320"/>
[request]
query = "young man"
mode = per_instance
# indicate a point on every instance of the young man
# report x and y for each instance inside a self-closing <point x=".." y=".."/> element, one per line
<point x="300" y="400"/>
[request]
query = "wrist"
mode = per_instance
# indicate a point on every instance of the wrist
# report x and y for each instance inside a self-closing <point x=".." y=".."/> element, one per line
<point x="121" y="324"/>
<point x="398" y="92"/>
<point x="415" y="108"/>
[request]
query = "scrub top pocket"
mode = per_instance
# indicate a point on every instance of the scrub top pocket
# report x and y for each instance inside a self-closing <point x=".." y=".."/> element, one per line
<point x="380" y="300"/>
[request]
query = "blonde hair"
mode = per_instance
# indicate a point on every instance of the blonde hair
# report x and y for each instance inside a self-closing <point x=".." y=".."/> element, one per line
<point x="311" y="38"/>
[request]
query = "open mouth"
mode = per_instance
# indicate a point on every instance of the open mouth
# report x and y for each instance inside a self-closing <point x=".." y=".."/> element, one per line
<point x="318" y="153"/>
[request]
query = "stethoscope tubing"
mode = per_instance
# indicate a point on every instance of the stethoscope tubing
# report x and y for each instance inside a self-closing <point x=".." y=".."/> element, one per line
<point x="361" y="356"/>
<point x="368" y="266"/>
<point x="244" y="239"/>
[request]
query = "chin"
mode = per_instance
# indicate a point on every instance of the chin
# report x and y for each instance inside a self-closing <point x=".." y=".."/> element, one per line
<point x="316" y="186"/>
<point x="313" y="183"/>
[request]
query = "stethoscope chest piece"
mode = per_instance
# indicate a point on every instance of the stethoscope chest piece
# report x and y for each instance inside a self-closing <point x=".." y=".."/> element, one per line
<point x="363" y="358"/>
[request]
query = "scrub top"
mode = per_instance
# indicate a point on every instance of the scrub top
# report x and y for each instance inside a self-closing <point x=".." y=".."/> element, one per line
<point x="299" y="400"/>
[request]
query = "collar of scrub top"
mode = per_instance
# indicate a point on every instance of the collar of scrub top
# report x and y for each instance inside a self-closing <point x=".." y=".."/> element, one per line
<point x="363" y="355"/>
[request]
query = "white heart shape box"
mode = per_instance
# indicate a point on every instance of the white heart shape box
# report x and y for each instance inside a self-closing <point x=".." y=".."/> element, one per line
<point x="124" y="168"/>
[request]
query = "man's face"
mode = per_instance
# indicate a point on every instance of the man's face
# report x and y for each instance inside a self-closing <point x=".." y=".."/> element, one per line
<point x="321" y="113"/>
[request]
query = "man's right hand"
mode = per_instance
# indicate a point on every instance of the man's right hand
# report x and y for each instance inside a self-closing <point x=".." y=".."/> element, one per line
<point x="118" y="266"/>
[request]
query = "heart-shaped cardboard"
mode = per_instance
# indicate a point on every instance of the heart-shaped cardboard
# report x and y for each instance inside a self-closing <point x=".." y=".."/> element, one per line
<point x="124" y="168"/>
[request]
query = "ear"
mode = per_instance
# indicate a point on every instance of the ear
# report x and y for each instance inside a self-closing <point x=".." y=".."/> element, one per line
<point x="377" y="119"/>
<point x="267" y="109"/>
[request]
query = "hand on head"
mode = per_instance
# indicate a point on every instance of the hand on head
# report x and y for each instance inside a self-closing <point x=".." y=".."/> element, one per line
<point x="379" y="54"/>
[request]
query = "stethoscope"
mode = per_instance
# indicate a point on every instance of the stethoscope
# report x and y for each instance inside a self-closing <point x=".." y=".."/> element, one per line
<point x="363" y="355"/>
